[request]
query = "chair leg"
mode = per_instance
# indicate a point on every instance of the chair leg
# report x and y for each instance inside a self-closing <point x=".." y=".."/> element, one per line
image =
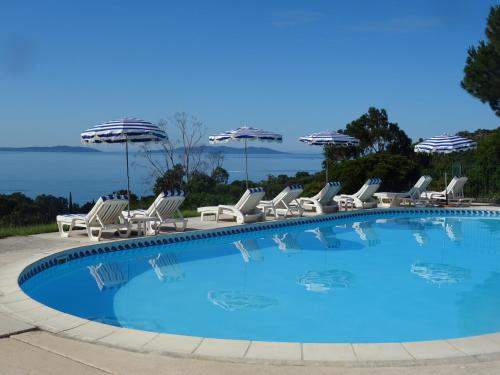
<point x="91" y="235"/>
<point x="62" y="232"/>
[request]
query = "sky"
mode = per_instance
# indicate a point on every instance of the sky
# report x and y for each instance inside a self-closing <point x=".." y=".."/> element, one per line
<point x="289" y="66"/>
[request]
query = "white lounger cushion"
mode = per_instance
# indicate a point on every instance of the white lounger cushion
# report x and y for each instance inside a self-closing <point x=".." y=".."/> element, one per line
<point x="285" y="203"/>
<point x="390" y="199"/>
<point x="323" y="201"/>
<point x="454" y="190"/>
<point x="105" y="215"/>
<point x="163" y="209"/>
<point x="363" y="198"/>
<point x="245" y="210"/>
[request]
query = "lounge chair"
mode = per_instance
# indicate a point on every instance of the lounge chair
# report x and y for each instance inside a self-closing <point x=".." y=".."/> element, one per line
<point x="285" y="203"/>
<point x="323" y="201"/>
<point x="162" y="210"/>
<point x="245" y="211"/>
<point x="395" y="199"/>
<point x="105" y="215"/>
<point x="364" y="197"/>
<point x="455" y="191"/>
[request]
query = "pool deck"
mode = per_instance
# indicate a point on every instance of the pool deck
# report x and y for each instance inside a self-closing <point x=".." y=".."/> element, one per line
<point x="37" y="339"/>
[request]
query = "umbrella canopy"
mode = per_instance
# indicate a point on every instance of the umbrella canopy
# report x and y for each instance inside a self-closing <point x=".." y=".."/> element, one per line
<point x="245" y="133"/>
<point x="329" y="138"/>
<point x="124" y="130"/>
<point x="129" y="129"/>
<point x="445" y="144"/>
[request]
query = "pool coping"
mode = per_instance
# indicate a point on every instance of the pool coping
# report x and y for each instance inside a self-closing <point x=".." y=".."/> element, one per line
<point x="15" y="303"/>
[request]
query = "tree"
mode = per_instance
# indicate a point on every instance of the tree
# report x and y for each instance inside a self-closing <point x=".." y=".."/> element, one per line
<point x="186" y="149"/>
<point x="377" y="134"/>
<point x="482" y="67"/>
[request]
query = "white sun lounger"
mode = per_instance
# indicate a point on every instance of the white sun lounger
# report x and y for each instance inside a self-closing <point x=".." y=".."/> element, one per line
<point x="162" y="210"/>
<point x="388" y="199"/>
<point x="364" y="197"/>
<point x="323" y="201"/>
<point x="285" y="203"/>
<point x="455" y="191"/>
<point x="287" y="243"/>
<point x="245" y="211"/>
<point x="105" y="215"/>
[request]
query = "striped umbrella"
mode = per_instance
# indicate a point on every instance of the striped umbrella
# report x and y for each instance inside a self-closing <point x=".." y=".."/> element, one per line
<point x="245" y="134"/>
<point x="124" y="131"/>
<point x="329" y="138"/>
<point x="445" y="144"/>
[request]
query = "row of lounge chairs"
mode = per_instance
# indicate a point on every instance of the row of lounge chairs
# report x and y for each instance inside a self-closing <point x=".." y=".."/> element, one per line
<point x="109" y="212"/>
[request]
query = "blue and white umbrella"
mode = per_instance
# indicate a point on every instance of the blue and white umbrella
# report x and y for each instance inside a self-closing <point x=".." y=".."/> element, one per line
<point x="125" y="130"/>
<point x="329" y="138"/>
<point x="245" y="134"/>
<point x="445" y="144"/>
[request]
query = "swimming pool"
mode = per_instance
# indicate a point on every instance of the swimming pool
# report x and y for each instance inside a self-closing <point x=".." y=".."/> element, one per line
<point x="376" y="276"/>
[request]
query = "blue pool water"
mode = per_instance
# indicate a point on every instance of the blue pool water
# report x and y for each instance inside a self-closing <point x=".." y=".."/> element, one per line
<point x="364" y="279"/>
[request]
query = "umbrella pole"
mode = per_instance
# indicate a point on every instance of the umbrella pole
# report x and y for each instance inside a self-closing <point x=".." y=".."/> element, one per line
<point x="246" y="162"/>
<point x="326" y="172"/>
<point x="128" y="178"/>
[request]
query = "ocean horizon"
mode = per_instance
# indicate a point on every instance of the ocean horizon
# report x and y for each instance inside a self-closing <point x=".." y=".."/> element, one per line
<point x="89" y="175"/>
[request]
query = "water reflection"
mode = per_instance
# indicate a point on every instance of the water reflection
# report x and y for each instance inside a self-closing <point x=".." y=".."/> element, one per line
<point x="287" y="243"/>
<point x="167" y="268"/>
<point x="440" y="273"/>
<point x="234" y="300"/>
<point x="107" y="275"/>
<point x="326" y="236"/>
<point x="250" y="250"/>
<point x="325" y="281"/>
<point x="366" y="232"/>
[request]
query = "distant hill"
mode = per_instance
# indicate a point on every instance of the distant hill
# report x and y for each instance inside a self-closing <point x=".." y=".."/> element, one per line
<point x="50" y="149"/>
<point x="227" y="150"/>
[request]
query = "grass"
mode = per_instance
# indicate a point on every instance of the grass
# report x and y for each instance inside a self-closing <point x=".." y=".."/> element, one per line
<point x="27" y="230"/>
<point x="48" y="228"/>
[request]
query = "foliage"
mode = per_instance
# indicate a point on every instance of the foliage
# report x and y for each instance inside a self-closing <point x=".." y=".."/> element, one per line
<point x="377" y="134"/>
<point x="482" y="67"/>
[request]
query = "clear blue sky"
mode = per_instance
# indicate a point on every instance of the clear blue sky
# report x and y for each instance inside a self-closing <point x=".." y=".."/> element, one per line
<point x="288" y="66"/>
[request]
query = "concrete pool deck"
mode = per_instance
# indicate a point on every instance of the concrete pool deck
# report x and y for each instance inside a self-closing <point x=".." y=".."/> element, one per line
<point x="61" y="336"/>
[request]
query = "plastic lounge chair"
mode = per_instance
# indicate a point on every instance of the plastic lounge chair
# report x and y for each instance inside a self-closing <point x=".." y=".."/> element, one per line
<point x="455" y="191"/>
<point x="366" y="233"/>
<point x="245" y="211"/>
<point x="364" y="197"/>
<point x="105" y="215"/>
<point x="323" y="201"/>
<point x="386" y="199"/>
<point x="285" y="203"/>
<point x="163" y="209"/>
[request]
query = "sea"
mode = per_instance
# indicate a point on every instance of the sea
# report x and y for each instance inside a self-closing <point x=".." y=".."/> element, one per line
<point x="88" y="175"/>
